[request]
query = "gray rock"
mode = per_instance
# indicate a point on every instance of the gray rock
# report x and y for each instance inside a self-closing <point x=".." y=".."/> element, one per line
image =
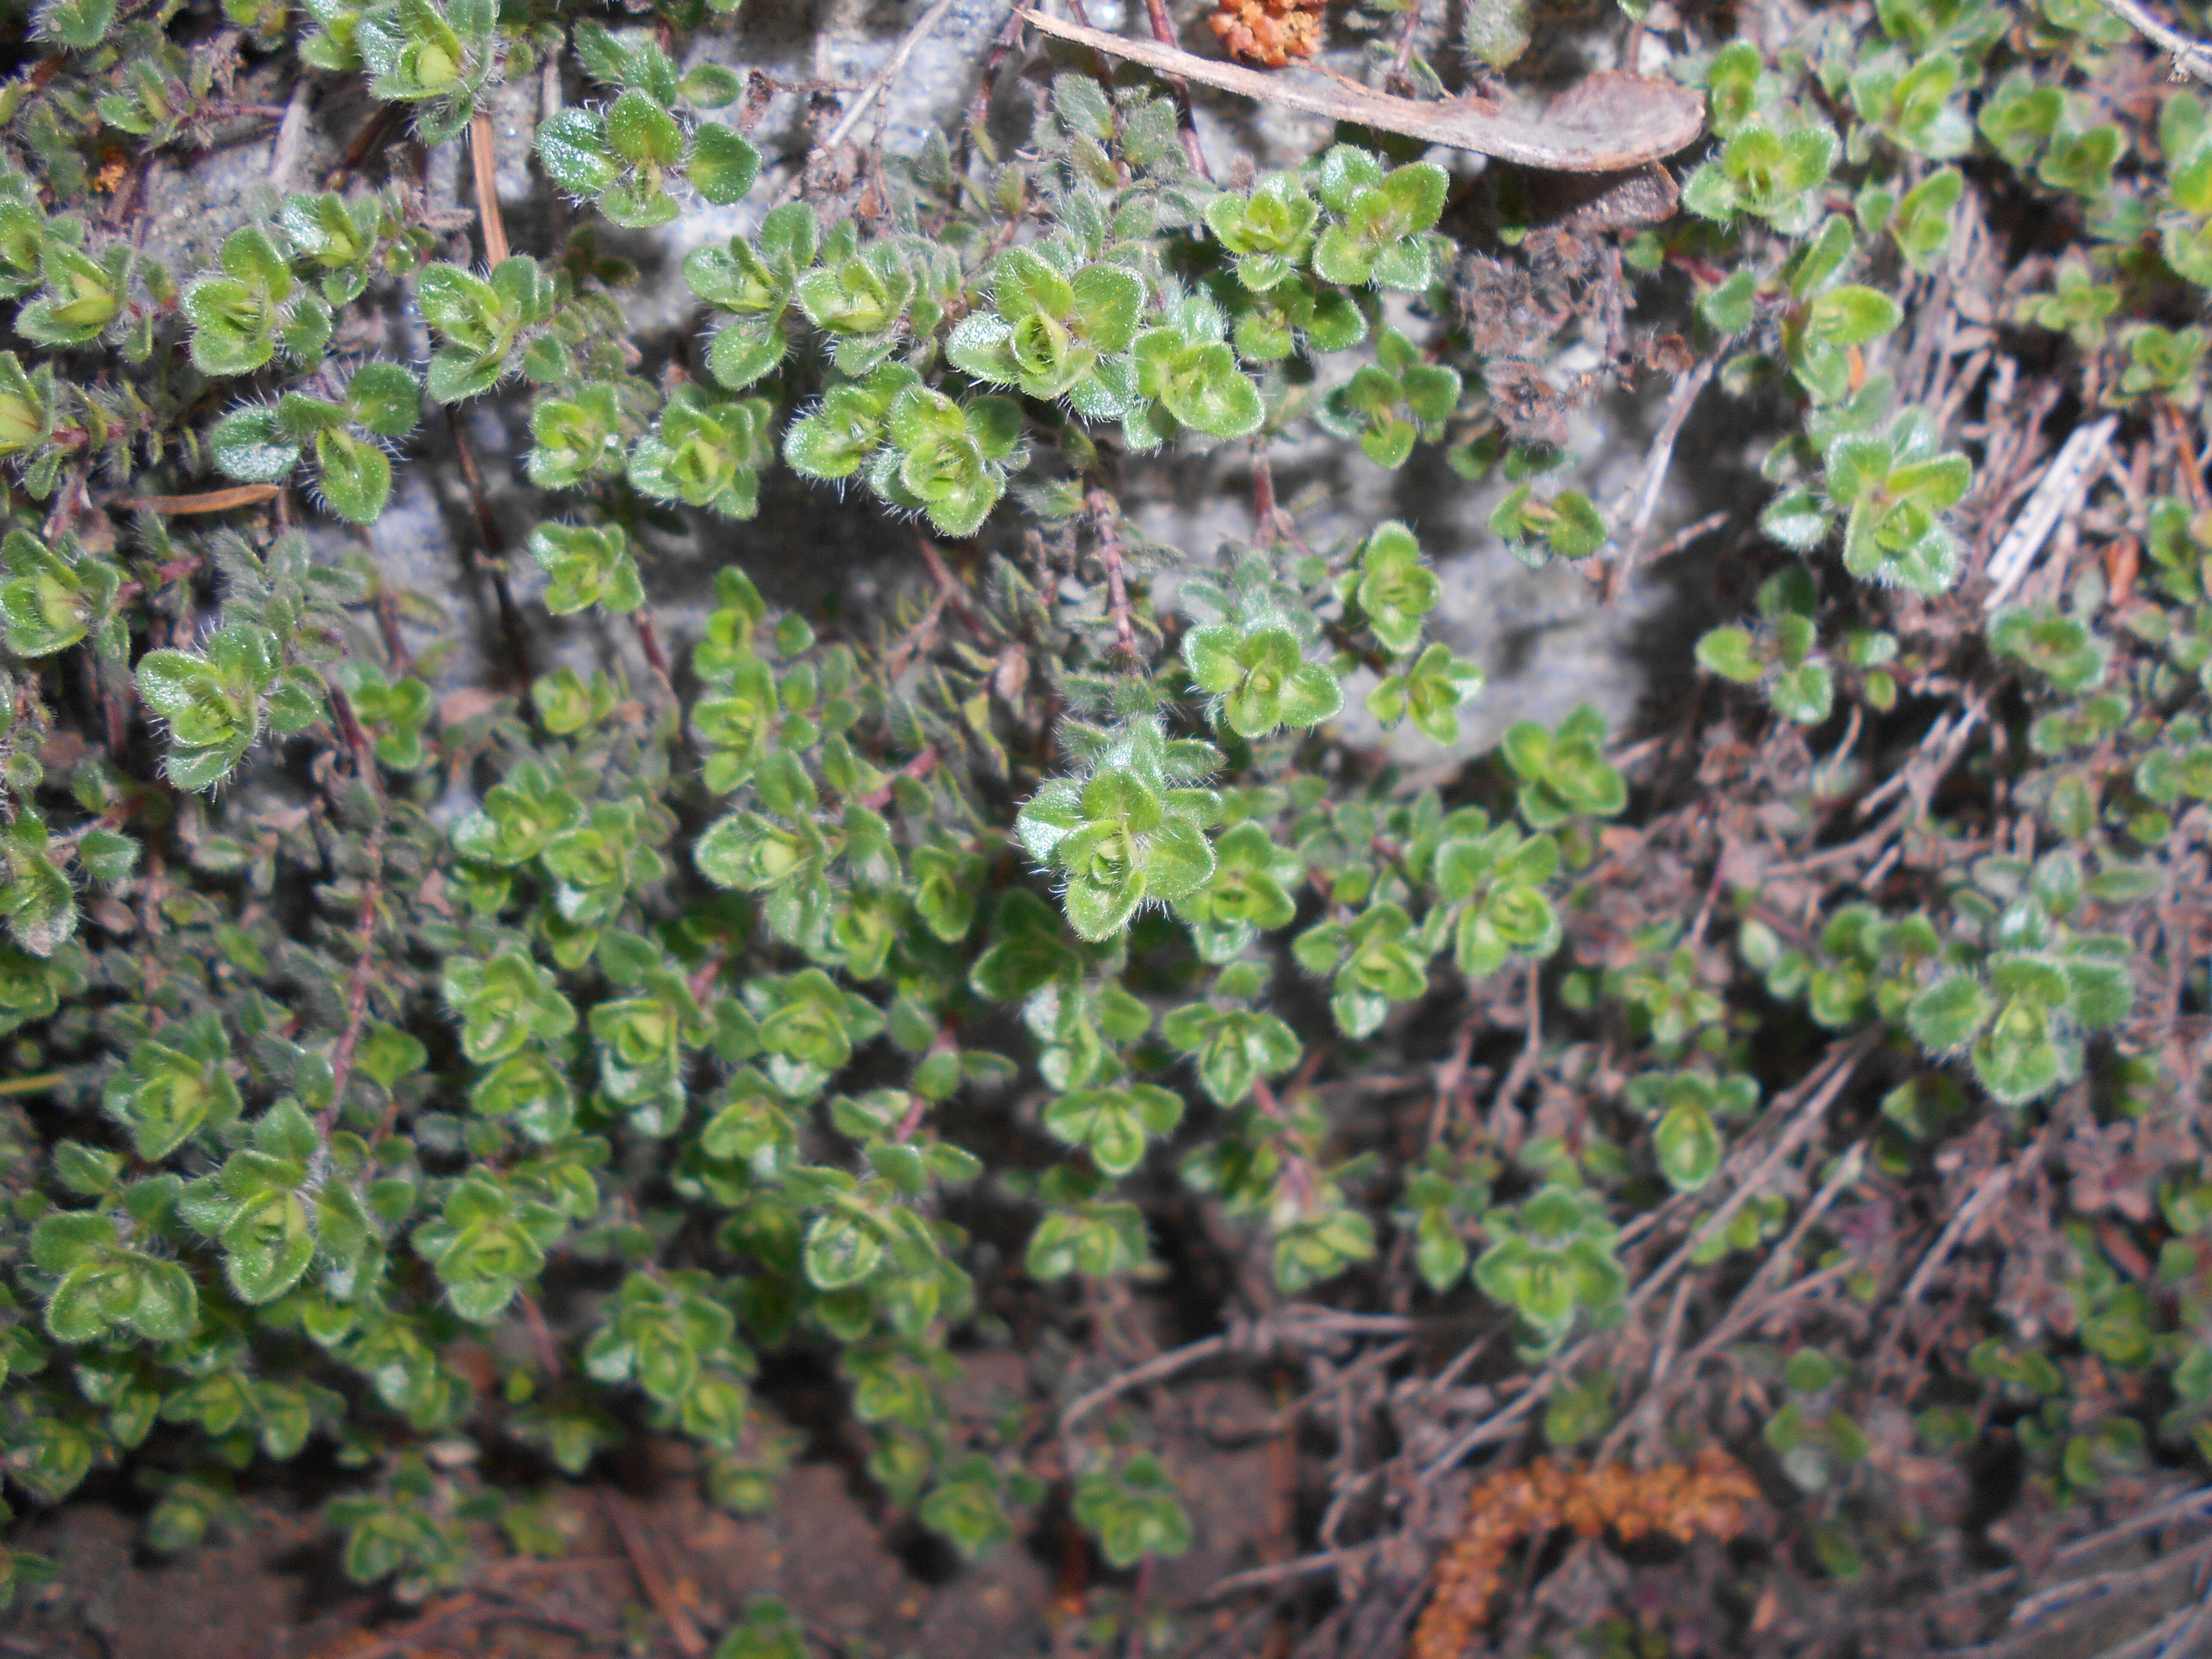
<point x="1544" y="638"/>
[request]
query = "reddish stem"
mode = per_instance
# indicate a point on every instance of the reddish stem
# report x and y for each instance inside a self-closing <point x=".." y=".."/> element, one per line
<point x="1396" y="81"/>
<point x="1105" y="515"/>
<point x="702" y="977"/>
<point x="1156" y="13"/>
<point x="917" y="768"/>
<point x="372" y="894"/>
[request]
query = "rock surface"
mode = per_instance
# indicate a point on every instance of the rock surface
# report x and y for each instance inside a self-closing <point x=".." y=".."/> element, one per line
<point x="1545" y="639"/>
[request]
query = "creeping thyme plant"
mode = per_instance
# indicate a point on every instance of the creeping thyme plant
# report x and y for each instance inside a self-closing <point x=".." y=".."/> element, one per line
<point x="458" y="1078"/>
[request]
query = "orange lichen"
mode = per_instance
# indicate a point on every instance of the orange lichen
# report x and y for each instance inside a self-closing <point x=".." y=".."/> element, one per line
<point x="1682" y="1501"/>
<point x="1268" y="32"/>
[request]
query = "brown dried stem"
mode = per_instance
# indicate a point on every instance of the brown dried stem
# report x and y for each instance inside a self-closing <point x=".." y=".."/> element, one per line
<point x="1105" y="516"/>
<point x="645" y="1563"/>
<point x="1156" y="14"/>
<point x="372" y="897"/>
<point x="1398" y="80"/>
<point x="493" y="557"/>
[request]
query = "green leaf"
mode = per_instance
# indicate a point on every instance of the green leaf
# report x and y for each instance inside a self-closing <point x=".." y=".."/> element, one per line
<point x="1113" y="1123"/>
<point x="1496" y="32"/>
<point x="573" y="148"/>
<point x="1851" y="316"/>
<point x="354" y="475"/>
<point x="639" y="133"/>
<point x="2020" y="1058"/>
<point x="1689" y="1146"/>
<point x="1396" y="589"/>
<point x="79" y="24"/>
<point x="1949" y="1014"/>
<point x="248" y="447"/>
<point x="842" y="1250"/>
<point x="384" y="398"/>
<point x="1133" y="1512"/>
<point x="723" y="166"/>
<point x="588" y="567"/>
<point x="1805" y="694"/>
<point x="1730" y="652"/>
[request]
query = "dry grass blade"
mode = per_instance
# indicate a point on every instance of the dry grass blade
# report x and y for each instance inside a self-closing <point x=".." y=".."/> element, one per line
<point x="212" y="501"/>
<point x="1605" y="122"/>
<point x="483" y="157"/>
<point x="2069" y="477"/>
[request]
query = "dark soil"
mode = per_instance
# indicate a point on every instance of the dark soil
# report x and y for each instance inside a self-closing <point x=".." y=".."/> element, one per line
<point x="273" y="1589"/>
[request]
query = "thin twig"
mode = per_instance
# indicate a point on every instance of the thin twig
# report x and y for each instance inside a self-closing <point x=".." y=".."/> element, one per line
<point x="2189" y="56"/>
<point x="1818" y="1091"/>
<point x="372" y="895"/>
<point x="2183" y="1640"/>
<point x="1265" y="513"/>
<point x="373" y="137"/>
<point x="2186" y="461"/>
<point x="1688" y="533"/>
<point x="979" y="113"/>
<point x="1532" y="1043"/>
<point x="948" y="584"/>
<point x="541" y="1337"/>
<point x="1398" y="81"/>
<point x="1987" y="1191"/>
<point x="919" y="638"/>
<point x="1152" y="1370"/>
<point x="1156" y="14"/>
<point x="2030" y="1609"/>
<point x="650" y="1579"/>
<point x="1935" y="756"/>
<point x="493" y="559"/>
<point x="402" y="1638"/>
<point x="1105" y="516"/>
<point x="1285" y="1323"/>
<point x="923" y="26"/>
<point x="1678" y="403"/>
<point x="1139" y="1594"/>
<point x="918" y="766"/>
<point x="1752" y="1304"/>
<point x="1834" y="1071"/>
<point x="1848" y="1167"/>
<point x="648" y="639"/>
<point x="2155" y="1643"/>
<point x="2188" y="1505"/>
<point x="1306" y="1566"/>
<point x="1452" y="1076"/>
<point x="1739" y="1318"/>
<point x="1643" y="120"/>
